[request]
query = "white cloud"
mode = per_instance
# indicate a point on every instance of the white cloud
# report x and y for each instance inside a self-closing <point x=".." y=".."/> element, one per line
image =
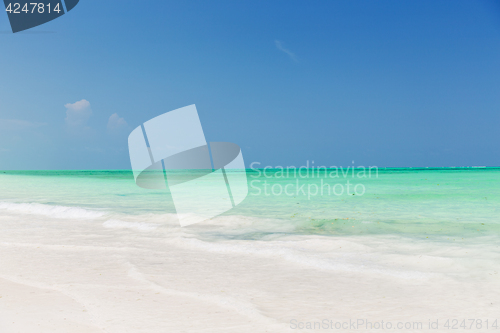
<point x="279" y="46"/>
<point x="17" y="124"/>
<point x="116" y="123"/>
<point x="77" y="115"/>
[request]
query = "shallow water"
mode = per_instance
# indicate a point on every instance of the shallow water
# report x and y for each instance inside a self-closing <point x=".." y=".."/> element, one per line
<point x="427" y="209"/>
<point x="419" y="203"/>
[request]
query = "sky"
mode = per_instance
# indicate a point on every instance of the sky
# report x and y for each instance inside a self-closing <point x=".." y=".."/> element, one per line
<point x="380" y="83"/>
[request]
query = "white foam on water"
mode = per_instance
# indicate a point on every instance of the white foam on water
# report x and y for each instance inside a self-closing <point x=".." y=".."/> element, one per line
<point x="292" y="251"/>
<point x="54" y="211"/>
<point x="118" y="224"/>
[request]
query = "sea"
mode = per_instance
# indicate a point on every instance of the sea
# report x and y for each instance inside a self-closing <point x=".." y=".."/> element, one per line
<point x="411" y="243"/>
<point x="448" y="205"/>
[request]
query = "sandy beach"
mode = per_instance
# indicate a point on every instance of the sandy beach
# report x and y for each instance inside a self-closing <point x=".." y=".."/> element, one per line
<point x="86" y="275"/>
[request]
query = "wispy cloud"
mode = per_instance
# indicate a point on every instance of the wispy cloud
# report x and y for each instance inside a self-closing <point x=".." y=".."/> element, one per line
<point x="279" y="46"/>
<point x="17" y="124"/>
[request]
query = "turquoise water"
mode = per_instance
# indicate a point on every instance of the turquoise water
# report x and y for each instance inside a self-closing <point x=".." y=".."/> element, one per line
<point x="452" y="204"/>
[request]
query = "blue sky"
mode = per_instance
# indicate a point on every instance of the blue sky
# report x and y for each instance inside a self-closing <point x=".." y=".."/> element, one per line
<point x="387" y="83"/>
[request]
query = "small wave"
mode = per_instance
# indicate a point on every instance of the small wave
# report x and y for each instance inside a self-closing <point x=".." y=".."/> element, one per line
<point x="54" y="211"/>
<point x="297" y="256"/>
<point x="129" y="225"/>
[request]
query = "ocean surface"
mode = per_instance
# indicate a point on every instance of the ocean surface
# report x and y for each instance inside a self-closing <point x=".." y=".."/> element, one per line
<point x="442" y="205"/>
<point x="430" y="208"/>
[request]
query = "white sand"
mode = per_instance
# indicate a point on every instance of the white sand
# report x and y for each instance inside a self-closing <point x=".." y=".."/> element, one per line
<point x="59" y="275"/>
